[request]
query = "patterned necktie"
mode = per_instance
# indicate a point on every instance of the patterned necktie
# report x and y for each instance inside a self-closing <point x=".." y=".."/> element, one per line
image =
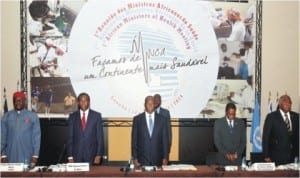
<point x="287" y="122"/>
<point x="150" y="125"/>
<point x="83" y="120"/>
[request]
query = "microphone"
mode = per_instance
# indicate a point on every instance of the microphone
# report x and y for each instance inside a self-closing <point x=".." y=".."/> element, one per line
<point x="150" y="166"/>
<point x="128" y="167"/>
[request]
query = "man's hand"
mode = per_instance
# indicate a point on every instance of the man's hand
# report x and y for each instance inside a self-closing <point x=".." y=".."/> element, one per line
<point x="164" y="162"/>
<point x="136" y="163"/>
<point x="4" y="160"/>
<point x="34" y="160"/>
<point x="228" y="157"/>
<point x="97" y="160"/>
<point x="268" y="159"/>
<point x="231" y="157"/>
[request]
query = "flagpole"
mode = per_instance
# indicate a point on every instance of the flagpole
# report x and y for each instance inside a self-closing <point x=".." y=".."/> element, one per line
<point x="18" y="85"/>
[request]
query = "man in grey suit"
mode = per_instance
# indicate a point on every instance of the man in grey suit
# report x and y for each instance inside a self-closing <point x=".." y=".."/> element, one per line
<point x="166" y="114"/>
<point x="230" y="137"/>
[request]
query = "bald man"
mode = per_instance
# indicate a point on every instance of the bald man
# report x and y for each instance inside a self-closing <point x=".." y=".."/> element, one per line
<point x="20" y="133"/>
<point x="281" y="133"/>
<point x="149" y="138"/>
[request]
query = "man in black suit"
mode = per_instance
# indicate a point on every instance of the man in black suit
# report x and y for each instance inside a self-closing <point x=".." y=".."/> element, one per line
<point x="166" y="114"/>
<point x="281" y="133"/>
<point x="85" y="133"/>
<point x="230" y="137"/>
<point x="149" y="140"/>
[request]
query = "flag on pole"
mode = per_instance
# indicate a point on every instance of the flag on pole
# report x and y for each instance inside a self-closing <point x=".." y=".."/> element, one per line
<point x="270" y="107"/>
<point x="5" y="107"/>
<point x="255" y="137"/>
<point x="277" y="100"/>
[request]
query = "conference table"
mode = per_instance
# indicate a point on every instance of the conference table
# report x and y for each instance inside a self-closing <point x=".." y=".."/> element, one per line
<point x="114" y="171"/>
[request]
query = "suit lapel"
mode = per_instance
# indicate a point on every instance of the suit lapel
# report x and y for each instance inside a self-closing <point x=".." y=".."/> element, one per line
<point x="88" y="122"/>
<point x="144" y="124"/>
<point x="226" y="123"/>
<point x="155" y="123"/>
<point x="281" y="120"/>
<point x="78" y="121"/>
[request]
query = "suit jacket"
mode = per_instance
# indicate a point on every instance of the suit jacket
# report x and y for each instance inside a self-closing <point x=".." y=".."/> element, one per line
<point x="83" y="146"/>
<point x="149" y="150"/>
<point x="278" y="144"/>
<point x="166" y="114"/>
<point x="228" y="141"/>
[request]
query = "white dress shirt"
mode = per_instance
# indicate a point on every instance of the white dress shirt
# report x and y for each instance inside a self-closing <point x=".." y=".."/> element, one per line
<point x="86" y="112"/>
<point x="228" y="122"/>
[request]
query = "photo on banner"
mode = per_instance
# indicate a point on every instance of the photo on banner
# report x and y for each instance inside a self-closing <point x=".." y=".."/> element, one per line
<point x="198" y="55"/>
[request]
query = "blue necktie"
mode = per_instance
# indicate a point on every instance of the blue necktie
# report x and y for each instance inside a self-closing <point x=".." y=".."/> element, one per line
<point x="150" y="125"/>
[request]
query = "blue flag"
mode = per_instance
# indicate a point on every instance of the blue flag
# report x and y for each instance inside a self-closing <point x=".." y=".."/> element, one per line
<point x="255" y="137"/>
<point x="270" y="107"/>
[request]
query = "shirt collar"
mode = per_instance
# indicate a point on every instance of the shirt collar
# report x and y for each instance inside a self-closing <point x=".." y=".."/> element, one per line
<point x="19" y="111"/>
<point x="147" y="115"/>
<point x="158" y="110"/>
<point x="86" y="112"/>
<point x="228" y="121"/>
<point x="283" y="113"/>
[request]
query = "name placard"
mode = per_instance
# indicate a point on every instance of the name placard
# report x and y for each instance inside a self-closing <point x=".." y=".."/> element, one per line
<point x="78" y="167"/>
<point x="11" y="167"/>
<point x="264" y="166"/>
<point x="231" y="168"/>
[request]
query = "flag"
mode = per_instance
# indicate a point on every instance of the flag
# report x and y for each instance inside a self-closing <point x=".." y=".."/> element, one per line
<point x="270" y="107"/>
<point x="5" y="107"/>
<point x="255" y="136"/>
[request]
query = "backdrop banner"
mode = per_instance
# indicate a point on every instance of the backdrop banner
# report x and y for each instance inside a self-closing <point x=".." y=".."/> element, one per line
<point x="198" y="55"/>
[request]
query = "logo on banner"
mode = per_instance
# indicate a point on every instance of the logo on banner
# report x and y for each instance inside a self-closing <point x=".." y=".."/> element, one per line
<point x="125" y="50"/>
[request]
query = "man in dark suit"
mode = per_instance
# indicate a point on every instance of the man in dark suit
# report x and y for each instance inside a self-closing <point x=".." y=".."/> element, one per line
<point x="164" y="112"/>
<point x="230" y="137"/>
<point x="85" y="133"/>
<point x="149" y="140"/>
<point x="281" y="133"/>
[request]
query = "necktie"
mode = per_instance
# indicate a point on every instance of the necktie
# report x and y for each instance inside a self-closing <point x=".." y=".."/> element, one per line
<point x="150" y="125"/>
<point x="83" y="120"/>
<point x="287" y="122"/>
<point x="230" y="124"/>
<point x="231" y="127"/>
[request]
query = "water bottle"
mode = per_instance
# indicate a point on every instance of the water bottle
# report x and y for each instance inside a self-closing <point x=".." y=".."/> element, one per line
<point x="131" y="165"/>
<point x="244" y="165"/>
<point x="296" y="163"/>
<point x="26" y="165"/>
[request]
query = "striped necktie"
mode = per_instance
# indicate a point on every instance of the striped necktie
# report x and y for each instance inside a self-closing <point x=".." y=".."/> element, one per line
<point x="287" y="122"/>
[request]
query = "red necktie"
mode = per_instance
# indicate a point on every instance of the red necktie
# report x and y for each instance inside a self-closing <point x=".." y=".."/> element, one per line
<point x="83" y="124"/>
